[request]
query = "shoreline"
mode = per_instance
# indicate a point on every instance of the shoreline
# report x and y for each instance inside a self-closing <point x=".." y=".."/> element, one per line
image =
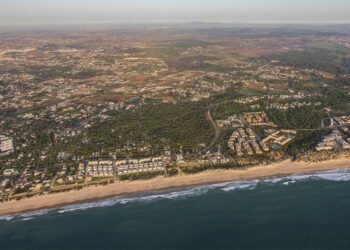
<point x="94" y="193"/>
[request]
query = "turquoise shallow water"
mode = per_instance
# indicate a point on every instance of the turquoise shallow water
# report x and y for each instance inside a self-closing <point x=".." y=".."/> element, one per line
<point x="299" y="212"/>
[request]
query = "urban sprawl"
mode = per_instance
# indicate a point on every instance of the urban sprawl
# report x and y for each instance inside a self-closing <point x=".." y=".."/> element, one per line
<point x="92" y="108"/>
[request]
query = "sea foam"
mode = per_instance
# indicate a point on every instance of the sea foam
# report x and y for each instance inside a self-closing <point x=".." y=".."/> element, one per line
<point x="332" y="175"/>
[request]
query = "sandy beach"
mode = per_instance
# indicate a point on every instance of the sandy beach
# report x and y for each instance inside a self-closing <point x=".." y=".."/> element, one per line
<point x="126" y="187"/>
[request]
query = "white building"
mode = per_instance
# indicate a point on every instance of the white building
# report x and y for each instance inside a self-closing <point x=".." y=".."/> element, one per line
<point x="6" y="145"/>
<point x="333" y="141"/>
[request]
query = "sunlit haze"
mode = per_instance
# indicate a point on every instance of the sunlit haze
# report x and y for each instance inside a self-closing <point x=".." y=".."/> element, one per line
<point x="20" y="12"/>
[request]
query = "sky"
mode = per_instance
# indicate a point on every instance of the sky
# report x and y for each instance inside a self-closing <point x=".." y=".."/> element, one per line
<point x="25" y="12"/>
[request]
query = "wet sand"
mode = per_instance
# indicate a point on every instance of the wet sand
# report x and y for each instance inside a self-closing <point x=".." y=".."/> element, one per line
<point x="126" y="187"/>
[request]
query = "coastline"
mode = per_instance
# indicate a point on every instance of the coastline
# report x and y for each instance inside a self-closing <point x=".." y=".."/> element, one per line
<point x="161" y="183"/>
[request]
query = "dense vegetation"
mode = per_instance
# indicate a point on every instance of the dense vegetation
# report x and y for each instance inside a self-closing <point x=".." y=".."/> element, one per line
<point x="222" y="111"/>
<point x="155" y="126"/>
<point x="140" y="176"/>
<point x="302" y="118"/>
<point x="337" y="98"/>
<point x="314" y="58"/>
<point x="204" y="167"/>
<point x="304" y="142"/>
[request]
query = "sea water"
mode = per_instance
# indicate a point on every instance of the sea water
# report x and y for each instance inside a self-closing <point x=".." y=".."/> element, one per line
<point x="294" y="212"/>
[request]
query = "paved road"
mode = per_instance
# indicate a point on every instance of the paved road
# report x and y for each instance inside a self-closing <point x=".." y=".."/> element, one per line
<point x="215" y="140"/>
<point x="319" y="129"/>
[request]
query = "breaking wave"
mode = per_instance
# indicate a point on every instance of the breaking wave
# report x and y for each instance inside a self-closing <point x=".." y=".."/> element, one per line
<point x="332" y="175"/>
<point x="25" y="216"/>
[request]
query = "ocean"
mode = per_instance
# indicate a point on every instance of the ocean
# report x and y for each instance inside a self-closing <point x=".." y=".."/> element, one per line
<point x="309" y="211"/>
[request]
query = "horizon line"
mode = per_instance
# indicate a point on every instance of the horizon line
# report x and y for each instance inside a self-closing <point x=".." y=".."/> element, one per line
<point x="223" y="22"/>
